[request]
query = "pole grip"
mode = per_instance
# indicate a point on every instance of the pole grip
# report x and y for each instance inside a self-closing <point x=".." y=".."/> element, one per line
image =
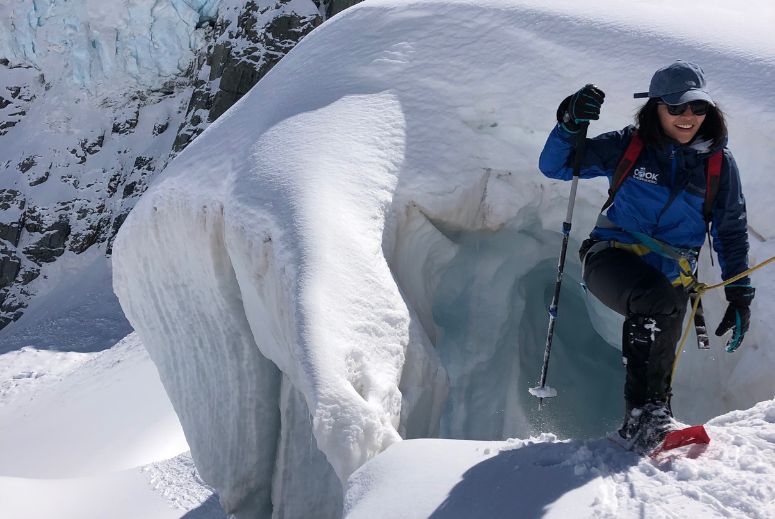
<point x="580" y="148"/>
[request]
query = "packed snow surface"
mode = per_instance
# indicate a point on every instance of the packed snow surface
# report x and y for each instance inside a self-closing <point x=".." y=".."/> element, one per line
<point x="544" y="477"/>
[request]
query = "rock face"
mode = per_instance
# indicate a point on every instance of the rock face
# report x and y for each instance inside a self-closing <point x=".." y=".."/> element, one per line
<point x="337" y="6"/>
<point x="248" y="39"/>
<point x="74" y="159"/>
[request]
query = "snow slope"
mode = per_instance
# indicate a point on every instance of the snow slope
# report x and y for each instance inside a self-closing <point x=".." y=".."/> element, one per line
<point x="92" y="435"/>
<point x="75" y="290"/>
<point x="310" y="254"/>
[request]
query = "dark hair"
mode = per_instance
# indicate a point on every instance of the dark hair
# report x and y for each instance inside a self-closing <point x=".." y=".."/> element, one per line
<point x="714" y="127"/>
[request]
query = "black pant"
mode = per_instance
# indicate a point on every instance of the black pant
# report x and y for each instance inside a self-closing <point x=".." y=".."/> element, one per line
<point x="654" y="311"/>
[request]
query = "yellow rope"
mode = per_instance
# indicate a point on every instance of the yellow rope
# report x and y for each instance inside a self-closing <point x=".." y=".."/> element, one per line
<point x="701" y="288"/>
<point x="705" y="288"/>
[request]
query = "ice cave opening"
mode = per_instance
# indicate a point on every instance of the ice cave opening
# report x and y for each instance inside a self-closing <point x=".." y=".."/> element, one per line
<point x="489" y="311"/>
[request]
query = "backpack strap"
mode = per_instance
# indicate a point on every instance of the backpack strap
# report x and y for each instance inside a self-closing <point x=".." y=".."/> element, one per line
<point x="631" y="154"/>
<point x="711" y="187"/>
<point x="624" y="167"/>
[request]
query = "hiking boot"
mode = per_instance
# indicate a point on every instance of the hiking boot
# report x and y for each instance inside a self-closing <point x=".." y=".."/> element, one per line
<point x="655" y="422"/>
<point x="631" y="423"/>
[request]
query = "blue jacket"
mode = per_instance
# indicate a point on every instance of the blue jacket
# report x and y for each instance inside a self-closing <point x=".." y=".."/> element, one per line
<point x="662" y="197"/>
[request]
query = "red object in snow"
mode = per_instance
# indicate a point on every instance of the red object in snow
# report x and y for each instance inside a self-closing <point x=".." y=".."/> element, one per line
<point x="682" y="437"/>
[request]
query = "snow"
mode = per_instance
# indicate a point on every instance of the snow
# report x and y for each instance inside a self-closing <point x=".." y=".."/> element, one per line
<point x="74" y="286"/>
<point x="81" y="446"/>
<point x="90" y="435"/>
<point x="545" y="477"/>
<point x="360" y="252"/>
<point x="125" y="495"/>
<point x="543" y="392"/>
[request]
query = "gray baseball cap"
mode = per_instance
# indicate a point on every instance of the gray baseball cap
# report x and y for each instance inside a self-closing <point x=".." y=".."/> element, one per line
<point x="678" y="83"/>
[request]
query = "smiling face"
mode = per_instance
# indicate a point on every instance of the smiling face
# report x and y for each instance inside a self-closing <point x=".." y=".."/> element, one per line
<point x="681" y="128"/>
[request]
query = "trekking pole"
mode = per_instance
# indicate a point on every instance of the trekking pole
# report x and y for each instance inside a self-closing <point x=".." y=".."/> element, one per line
<point x="544" y="391"/>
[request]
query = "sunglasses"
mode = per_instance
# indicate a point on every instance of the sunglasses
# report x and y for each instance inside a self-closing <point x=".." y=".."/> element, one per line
<point x="698" y="107"/>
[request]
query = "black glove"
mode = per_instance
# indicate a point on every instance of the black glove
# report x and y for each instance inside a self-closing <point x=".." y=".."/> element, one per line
<point x="738" y="314"/>
<point x="580" y="108"/>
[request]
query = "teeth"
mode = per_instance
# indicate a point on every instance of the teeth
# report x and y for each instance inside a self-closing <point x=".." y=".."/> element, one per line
<point x="685" y="126"/>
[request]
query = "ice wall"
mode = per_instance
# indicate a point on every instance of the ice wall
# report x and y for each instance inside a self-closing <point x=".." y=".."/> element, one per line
<point x="101" y="45"/>
<point x="369" y="237"/>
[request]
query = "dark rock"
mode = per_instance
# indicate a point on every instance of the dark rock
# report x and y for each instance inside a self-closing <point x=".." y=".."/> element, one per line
<point x="27" y="275"/>
<point x="129" y="189"/>
<point x="113" y="183"/>
<point x="237" y="80"/>
<point x="87" y="147"/>
<point x="94" y="146"/>
<point x="219" y="58"/>
<point x="337" y="6"/>
<point x="158" y="129"/>
<point x="33" y="224"/>
<point x="70" y="179"/>
<point x="85" y="211"/>
<point x="128" y="124"/>
<point x="79" y="153"/>
<point x="9" y="268"/>
<point x="40" y="180"/>
<point x="7" y="125"/>
<point x="11" y="232"/>
<point x="51" y="245"/>
<point x="11" y="198"/>
<point x="142" y="162"/>
<point x="27" y="164"/>
<point x="117" y="223"/>
<point x="81" y="242"/>
<point x="243" y="46"/>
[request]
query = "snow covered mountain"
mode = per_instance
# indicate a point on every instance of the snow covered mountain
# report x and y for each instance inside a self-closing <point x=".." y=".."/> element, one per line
<point x="96" y="97"/>
<point x="355" y="257"/>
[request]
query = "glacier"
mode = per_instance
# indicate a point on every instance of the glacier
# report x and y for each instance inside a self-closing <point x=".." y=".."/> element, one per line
<point x="360" y="250"/>
<point x="104" y="46"/>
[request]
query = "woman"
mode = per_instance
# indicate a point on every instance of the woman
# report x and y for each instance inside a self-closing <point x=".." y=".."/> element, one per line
<point x="641" y="256"/>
